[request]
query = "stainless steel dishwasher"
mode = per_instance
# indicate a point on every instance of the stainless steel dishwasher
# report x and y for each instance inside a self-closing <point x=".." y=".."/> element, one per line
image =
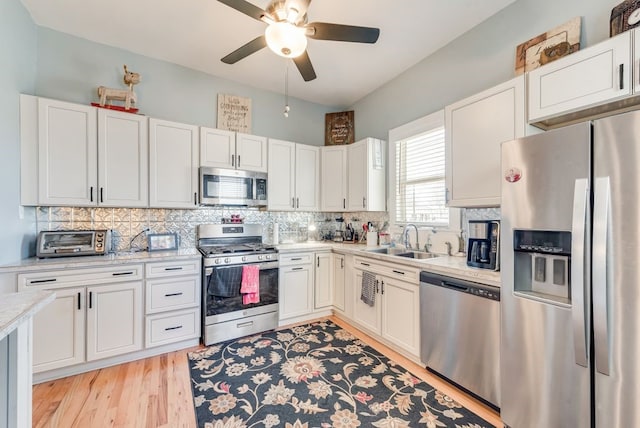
<point x="460" y="333"/>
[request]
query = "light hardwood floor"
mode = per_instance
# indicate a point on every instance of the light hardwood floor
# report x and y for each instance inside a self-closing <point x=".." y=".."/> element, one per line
<point x="156" y="392"/>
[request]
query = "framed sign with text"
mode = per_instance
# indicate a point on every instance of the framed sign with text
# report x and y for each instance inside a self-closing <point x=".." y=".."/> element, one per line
<point x="338" y="128"/>
<point x="234" y="113"/>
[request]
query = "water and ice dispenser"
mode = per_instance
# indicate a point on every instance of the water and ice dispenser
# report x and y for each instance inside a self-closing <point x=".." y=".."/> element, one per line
<point x="542" y="264"/>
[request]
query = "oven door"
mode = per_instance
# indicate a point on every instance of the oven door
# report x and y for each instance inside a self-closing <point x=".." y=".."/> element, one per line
<point x="222" y="296"/>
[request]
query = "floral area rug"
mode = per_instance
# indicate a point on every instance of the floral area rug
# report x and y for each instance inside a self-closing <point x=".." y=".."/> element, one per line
<point x="314" y="375"/>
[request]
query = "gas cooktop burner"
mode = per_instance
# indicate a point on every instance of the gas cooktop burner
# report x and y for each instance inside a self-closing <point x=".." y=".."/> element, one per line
<point x="213" y="250"/>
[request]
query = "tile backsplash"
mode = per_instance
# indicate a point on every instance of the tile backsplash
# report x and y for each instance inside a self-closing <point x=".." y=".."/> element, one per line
<point x="126" y="223"/>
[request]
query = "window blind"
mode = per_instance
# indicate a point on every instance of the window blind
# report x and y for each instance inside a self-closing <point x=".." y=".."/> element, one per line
<point x="420" y="185"/>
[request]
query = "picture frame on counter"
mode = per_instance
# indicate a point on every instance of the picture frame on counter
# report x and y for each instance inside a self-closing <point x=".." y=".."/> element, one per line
<point x="162" y="241"/>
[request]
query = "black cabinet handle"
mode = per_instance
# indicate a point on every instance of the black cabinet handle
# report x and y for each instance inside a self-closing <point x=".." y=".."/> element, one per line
<point x="172" y="294"/>
<point x="364" y="202"/>
<point x="298" y="268"/>
<point x="101" y="194"/>
<point x="90" y="299"/>
<point x="298" y="199"/>
<point x="296" y="258"/>
<point x="79" y="305"/>
<point x="365" y="264"/>
<point x="172" y="328"/>
<point x="195" y="198"/>
<point x="233" y="160"/>
<point x="341" y="263"/>
<point x="122" y="273"/>
<point x="174" y="268"/>
<point x="40" y="281"/>
<point x="621" y="72"/>
<point x="318" y="261"/>
<point x="293" y="202"/>
<point x="344" y="203"/>
<point x="238" y="161"/>
<point x="377" y="286"/>
<point x="398" y="272"/>
<point x="91" y="194"/>
<point x="383" y="287"/>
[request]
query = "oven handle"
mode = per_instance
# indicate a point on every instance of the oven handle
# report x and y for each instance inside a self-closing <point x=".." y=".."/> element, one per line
<point x="263" y="266"/>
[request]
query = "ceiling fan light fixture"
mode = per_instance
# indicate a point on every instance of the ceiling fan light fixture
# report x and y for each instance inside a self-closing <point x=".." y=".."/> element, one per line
<point x="285" y="39"/>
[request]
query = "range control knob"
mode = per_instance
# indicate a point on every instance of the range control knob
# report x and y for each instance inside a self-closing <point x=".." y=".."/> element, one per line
<point x="217" y="261"/>
<point x="268" y="256"/>
<point x="260" y="257"/>
<point x="244" y="258"/>
<point x="226" y="259"/>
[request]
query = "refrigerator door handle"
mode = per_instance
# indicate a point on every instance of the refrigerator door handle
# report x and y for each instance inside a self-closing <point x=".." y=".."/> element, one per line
<point x="601" y="218"/>
<point x="578" y="257"/>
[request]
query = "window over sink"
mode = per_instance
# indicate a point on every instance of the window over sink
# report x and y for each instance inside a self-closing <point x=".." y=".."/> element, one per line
<point x="417" y="173"/>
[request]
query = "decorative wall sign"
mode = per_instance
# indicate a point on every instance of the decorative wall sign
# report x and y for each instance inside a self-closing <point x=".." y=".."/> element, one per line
<point x="234" y="113"/>
<point x="338" y="128"/>
<point x="624" y="16"/>
<point x="549" y="46"/>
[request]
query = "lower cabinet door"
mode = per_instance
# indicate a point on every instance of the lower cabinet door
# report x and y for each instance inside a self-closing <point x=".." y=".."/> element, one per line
<point x="58" y="331"/>
<point x="114" y="319"/>
<point x="363" y="314"/>
<point x="401" y="313"/>
<point x="296" y="291"/>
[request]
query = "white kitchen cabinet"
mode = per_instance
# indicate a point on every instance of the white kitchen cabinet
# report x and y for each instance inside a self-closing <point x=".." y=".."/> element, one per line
<point x="227" y="149"/>
<point x="67" y="152"/>
<point x="173" y="164"/>
<point x="395" y="315"/>
<point x="114" y="319"/>
<point x="294" y="176"/>
<point x="366" y="175"/>
<point x="333" y="178"/>
<point x="98" y="313"/>
<point x="296" y="286"/>
<point x="322" y="284"/>
<point x="474" y="129"/>
<point x="338" y="282"/>
<point x="173" y="294"/>
<point x="590" y="77"/>
<point x="123" y="158"/>
<point x="84" y="156"/>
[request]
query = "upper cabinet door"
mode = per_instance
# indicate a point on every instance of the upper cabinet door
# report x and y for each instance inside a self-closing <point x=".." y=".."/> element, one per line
<point x="334" y="178"/>
<point x="217" y="148"/>
<point x="251" y="152"/>
<point x="584" y="79"/>
<point x="307" y="178"/>
<point x="357" y="176"/>
<point x="123" y="174"/>
<point x="173" y="164"/>
<point x="474" y="129"/>
<point x="281" y="182"/>
<point x="67" y="154"/>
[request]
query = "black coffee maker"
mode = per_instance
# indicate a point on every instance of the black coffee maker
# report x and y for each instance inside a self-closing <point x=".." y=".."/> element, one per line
<point x="483" y="249"/>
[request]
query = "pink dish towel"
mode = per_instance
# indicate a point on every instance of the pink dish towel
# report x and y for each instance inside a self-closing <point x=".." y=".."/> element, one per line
<point x="250" y="288"/>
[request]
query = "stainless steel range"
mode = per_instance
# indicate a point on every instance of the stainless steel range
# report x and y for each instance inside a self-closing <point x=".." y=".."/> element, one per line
<point x="226" y="250"/>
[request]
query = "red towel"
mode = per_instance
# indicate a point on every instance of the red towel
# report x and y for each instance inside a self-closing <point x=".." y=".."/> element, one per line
<point x="250" y="288"/>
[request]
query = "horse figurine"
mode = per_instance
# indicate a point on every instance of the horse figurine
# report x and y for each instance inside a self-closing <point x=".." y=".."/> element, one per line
<point x="127" y="95"/>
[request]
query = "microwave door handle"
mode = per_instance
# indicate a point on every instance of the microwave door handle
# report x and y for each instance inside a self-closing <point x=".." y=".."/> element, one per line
<point x="578" y="258"/>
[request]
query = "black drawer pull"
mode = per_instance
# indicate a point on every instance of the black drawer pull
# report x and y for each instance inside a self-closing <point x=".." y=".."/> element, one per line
<point x="174" y="268"/>
<point x="295" y="259"/>
<point x="172" y="328"/>
<point x="621" y="73"/>
<point x="122" y="273"/>
<point x="79" y="307"/>
<point x="298" y="268"/>
<point x="90" y="299"/>
<point x="398" y="272"/>
<point x="41" y="281"/>
<point x="172" y="294"/>
<point x="365" y="264"/>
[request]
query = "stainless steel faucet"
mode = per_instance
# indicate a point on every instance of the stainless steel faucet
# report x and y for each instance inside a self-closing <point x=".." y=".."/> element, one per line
<point x="405" y="233"/>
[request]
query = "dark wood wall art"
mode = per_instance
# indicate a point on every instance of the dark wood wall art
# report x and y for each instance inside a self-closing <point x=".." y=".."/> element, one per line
<point x="338" y="128"/>
<point x="624" y="16"/>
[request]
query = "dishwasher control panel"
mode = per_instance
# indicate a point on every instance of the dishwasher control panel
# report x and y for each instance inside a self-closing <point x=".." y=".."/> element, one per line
<point x="461" y="285"/>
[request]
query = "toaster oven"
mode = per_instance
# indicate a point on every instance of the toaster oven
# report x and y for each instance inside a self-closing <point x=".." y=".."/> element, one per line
<point x="62" y="243"/>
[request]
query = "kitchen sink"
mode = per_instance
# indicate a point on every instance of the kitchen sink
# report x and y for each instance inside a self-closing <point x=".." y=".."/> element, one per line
<point x="403" y="252"/>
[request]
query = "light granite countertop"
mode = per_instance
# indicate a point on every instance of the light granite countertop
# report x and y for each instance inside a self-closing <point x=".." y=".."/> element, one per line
<point x="35" y="264"/>
<point x="15" y="308"/>
<point x="453" y="266"/>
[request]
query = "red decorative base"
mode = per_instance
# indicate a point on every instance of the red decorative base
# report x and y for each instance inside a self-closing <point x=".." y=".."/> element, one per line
<point x="118" y="108"/>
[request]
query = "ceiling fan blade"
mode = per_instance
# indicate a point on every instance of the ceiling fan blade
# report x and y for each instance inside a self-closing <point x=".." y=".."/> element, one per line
<point x="305" y="67"/>
<point x="343" y="33"/>
<point x="246" y="8"/>
<point x="244" y="51"/>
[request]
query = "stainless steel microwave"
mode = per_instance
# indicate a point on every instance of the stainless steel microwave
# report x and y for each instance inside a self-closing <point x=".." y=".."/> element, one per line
<point x="234" y="187"/>
<point x="62" y="243"/>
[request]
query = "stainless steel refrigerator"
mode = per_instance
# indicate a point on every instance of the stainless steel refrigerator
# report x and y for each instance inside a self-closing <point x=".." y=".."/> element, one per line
<point x="570" y="325"/>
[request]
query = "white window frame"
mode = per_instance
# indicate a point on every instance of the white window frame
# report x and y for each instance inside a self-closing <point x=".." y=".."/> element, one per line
<point x="403" y="132"/>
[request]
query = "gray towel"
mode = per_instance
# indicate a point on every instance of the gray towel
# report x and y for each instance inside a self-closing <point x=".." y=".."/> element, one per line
<point x="368" y="294"/>
<point x="225" y="282"/>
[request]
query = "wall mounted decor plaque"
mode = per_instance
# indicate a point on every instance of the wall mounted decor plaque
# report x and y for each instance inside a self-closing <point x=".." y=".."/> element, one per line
<point x="338" y="128"/>
<point x="624" y="16"/>
<point x="549" y="46"/>
<point x="234" y="113"/>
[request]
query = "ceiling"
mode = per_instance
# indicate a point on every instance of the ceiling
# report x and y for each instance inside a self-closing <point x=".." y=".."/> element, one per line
<point x="197" y="33"/>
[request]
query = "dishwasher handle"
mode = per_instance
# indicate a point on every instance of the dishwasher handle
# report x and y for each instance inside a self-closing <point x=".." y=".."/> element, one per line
<point x="460" y="285"/>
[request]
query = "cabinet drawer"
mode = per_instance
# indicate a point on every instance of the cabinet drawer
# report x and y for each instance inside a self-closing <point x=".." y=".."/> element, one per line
<point x="172" y="294"/>
<point x="182" y="267"/>
<point x="296" y="259"/>
<point x="172" y="327"/>
<point x="79" y="277"/>
<point x="398" y="271"/>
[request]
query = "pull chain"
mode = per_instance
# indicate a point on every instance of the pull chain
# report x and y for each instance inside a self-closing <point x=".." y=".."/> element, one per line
<point x="286" y="92"/>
